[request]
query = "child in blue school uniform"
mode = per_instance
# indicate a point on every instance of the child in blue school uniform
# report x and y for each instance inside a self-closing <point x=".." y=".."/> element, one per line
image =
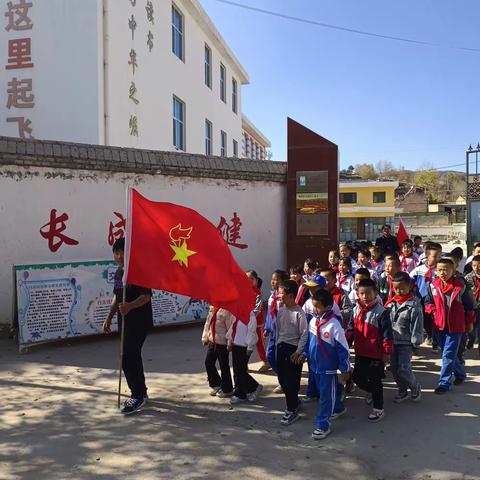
<point x="327" y="352"/>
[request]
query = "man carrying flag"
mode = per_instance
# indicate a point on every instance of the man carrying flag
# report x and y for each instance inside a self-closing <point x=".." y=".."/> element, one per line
<point x="135" y="311"/>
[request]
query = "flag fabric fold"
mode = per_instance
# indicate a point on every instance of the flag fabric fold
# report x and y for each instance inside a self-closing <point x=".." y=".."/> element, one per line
<point x="174" y="248"/>
<point x="402" y="234"/>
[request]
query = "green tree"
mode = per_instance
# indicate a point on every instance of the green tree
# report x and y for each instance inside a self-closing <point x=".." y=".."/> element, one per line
<point x="429" y="181"/>
<point x="366" y="171"/>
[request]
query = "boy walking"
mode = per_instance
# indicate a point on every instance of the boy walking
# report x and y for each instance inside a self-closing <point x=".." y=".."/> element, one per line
<point x="327" y="352"/>
<point x="449" y="301"/>
<point x="407" y="326"/>
<point x="137" y="311"/>
<point x="373" y="339"/>
<point x="292" y="336"/>
<point x="473" y="281"/>
<point x="214" y="337"/>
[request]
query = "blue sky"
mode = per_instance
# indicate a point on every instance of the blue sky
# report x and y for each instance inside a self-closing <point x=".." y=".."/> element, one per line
<point x="377" y="99"/>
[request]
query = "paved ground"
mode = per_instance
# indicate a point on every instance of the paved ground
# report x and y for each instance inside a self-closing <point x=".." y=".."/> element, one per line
<point x="58" y="420"/>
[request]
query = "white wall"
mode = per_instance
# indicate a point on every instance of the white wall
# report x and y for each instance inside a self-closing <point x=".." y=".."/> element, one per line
<point x="90" y="198"/>
<point x="161" y="75"/>
<point x="67" y="53"/>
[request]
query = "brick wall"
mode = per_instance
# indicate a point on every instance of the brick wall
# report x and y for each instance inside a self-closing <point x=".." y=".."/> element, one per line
<point x="36" y="153"/>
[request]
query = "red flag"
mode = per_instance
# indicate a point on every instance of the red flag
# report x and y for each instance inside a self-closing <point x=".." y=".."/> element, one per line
<point x="402" y="234"/>
<point x="173" y="248"/>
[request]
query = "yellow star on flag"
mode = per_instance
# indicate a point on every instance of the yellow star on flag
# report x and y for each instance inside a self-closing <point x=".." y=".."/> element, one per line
<point x="182" y="253"/>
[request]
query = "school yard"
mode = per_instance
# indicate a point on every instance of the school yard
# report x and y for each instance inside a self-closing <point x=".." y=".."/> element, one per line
<point x="58" y="420"/>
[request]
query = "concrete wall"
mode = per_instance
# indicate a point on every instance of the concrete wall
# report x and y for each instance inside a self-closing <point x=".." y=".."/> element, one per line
<point x="67" y="74"/>
<point x="88" y="183"/>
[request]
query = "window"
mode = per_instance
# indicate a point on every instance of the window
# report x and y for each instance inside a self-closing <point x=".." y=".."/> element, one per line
<point x="178" y="124"/>
<point x="234" y="95"/>
<point x="247" y="146"/>
<point x="235" y="149"/>
<point x="208" y="66"/>
<point x="379" y="197"/>
<point x="254" y="150"/>
<point x="373" y="226"/>
<point x="223" y="144"/>
<point x="223" y="84"/>
<point x="208" y="137"/>
<point x="177" y="33"/>
<point x="348" y="197"/>
<point x="348" y="229"/>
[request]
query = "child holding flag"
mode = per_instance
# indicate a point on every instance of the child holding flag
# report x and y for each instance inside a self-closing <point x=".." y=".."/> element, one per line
<point x="138" y="316"/>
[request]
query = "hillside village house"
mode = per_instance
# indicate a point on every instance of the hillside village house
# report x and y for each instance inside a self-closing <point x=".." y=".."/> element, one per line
<point x="364" y="206"/>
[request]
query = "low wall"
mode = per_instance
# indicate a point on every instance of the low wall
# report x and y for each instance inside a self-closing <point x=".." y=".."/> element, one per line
<point x="78" y="192"/>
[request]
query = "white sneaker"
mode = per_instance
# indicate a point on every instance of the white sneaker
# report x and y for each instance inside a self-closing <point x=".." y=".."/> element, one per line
<point x="376" y="415"/>
<point x="253" y="397"/>
<point x="278" y="389"/>
<point x="319" y="434"/>
<point x="336" y="415"/>
<point x="234" y="400"/>
<point x="214" y="391"/>
<point x="222" y="394"/>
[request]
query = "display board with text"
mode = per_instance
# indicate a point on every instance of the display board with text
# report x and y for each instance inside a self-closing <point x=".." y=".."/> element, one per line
<point x="61" y="300"/>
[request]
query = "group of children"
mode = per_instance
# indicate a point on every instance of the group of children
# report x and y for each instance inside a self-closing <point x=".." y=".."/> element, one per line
<point x="382" y="306"/>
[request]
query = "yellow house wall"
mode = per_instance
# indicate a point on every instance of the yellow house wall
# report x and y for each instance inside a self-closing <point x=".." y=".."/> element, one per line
<point x="365" y="199"/>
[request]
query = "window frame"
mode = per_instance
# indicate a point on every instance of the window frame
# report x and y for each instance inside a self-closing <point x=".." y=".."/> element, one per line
<point x="208" y="66"/>
<point x="234" y="96"/>
<point x="381" y="193"/>
<point x="235" y="148"/>
<point x="340" y="196"/>
<point x="223" y="143"/>
<point x="223" y="83"/>
<point x="182" y="122"/>
<point x="208" y="139"/>
<point x="176" y="31"/>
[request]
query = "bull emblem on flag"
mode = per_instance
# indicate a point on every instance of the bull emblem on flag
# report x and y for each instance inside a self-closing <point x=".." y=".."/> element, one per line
<point x="179" y="237"/>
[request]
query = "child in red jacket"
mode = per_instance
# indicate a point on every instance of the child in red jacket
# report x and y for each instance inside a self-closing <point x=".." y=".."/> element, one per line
<point x="450" y="303"/>
<point x="373" y="345"/>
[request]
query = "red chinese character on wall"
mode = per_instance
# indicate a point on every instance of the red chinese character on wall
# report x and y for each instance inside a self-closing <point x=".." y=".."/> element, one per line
<point x="19" y="53"/>
<point x="52" y="231"/>
<point x="24" y="126"/>
<point x="116" y="230"/>
<point x="231" y="233"/>
<point x="17" y="15"/>
<point x="20" y="93"/>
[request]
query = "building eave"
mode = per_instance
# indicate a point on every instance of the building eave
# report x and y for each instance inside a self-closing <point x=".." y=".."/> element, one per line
<point x="202" y="18"/>
<point x="252" y="130"/>
<point x="368" y="184"/>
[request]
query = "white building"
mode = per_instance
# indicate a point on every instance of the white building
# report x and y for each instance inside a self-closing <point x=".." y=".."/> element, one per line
<point x="134" y="73"/>
<point x="254" y="142"/>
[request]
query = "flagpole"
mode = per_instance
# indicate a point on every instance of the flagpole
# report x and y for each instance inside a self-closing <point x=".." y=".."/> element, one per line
<point x="126" y="257"/>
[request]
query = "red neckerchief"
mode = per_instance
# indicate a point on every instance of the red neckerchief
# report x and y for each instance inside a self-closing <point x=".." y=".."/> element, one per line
<point x="429" y="272"/>
<point x="391" y="293"/>
<point x="359" y="320"/>
<point x="400" y="299"/>
<point x="335" y="267"/>
<point x="273" y="307"/>
<point x="446" y="287"/>
<point x="337" y="294"/>
<point x="319" y="323"/>
<point x="213" y="322"/>
<point x="343" y="279"/>
<point x="476" y="293"/>
<point x="374" y="263"/>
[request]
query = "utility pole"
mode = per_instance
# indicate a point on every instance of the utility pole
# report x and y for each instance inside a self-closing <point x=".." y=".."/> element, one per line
<point x="473" y="196"/>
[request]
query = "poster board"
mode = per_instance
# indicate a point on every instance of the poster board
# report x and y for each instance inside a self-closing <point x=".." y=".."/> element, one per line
<point x="55" y="301"/>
